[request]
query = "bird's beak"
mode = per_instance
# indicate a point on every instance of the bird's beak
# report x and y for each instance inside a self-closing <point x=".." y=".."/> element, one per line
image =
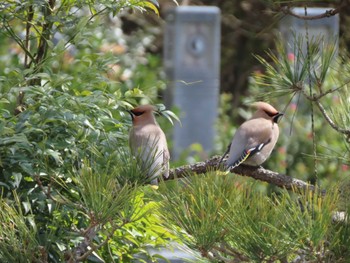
<point x="131" y="114"/>
<point x="277" y="117"/>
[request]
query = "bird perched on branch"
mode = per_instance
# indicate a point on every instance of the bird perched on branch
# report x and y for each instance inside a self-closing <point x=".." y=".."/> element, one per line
<point x="148" y="143"/>
<point x="255" y="139"/>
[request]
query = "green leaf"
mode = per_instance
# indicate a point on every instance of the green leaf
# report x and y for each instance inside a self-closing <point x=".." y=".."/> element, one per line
<point x="17" y="179"/>
<point x="26" y="206"/>
<point x="161" y="257"/>
<point x="56" y="155"/>
<point x="86" y="93"/>
<point x="4" y="101"/>
<point x="88" y="124"/>
<point x="62" y="247"/>
<point x="135" y="92"/>
<point x="170" y="116"/>
<point x="17" y="138"/>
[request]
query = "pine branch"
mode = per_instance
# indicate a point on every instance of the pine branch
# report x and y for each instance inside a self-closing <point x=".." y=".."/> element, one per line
<point x="87" y="247"/>
<point x="316" y="100"/>
<point x="258" y="173"/>
<point x="330" y="121"/>
<point x="231" y="251"/>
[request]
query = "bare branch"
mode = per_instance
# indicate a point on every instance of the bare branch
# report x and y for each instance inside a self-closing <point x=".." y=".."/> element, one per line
<point x="87" y="247"/>
<point x="229" y="250"/>
<point x="46" y="32"/>
<point x="328" y="13"/>
<point x="220" y="258"/>
<point x="258" y="173"/>
<point x="28" y="26"/>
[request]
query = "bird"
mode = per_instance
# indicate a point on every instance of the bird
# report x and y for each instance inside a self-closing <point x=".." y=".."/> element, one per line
<point x="255" y="139"/>
<point x="148" y="143"/>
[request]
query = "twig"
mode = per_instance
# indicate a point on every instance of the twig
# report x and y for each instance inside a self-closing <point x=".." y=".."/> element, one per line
<point x="220" y="258"/>
<point x="95" y="248"/>
<point x="315" y="97"/>
<point x="228" y="250"/>
<point x="328" y="13"/>
<point x="46" y="32"/>
<point x="28" y="26"/>
<point x="232" y="250"/>
<point x="46" y="192"/>
<point x="259" y="173"/>
<point x="316" y="100"/>
<point x="17" y="39"/>
<point x="330" y="91"/>
<point x="330" y="121"/>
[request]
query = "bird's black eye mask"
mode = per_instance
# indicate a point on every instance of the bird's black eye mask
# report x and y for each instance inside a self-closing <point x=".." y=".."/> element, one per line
<point x="133" y="113"/>
<point x="270" y="114"/>
<point x="275" y="116"/>
<point x="138" y="113"/>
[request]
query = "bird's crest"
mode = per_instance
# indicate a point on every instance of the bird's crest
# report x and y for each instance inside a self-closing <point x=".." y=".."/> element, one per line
<point x="267" y="108"/>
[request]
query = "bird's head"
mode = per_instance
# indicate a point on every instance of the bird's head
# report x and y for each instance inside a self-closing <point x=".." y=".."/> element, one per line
<point x="143" y="113"/>
<point x="265" y="110"/>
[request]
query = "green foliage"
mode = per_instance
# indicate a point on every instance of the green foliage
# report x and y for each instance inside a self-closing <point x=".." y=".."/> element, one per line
<point x="290" y="73"/>
<point x="339" y="111"/>
<point x="132" y="240"/>
<point x="103" y="195"/>
<point x="196" y="213"/>
<point x="67" y="77"/>
<point x="225" y="220"/>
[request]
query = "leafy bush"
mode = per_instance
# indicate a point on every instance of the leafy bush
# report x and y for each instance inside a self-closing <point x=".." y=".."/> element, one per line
<point x="68" y="181"/>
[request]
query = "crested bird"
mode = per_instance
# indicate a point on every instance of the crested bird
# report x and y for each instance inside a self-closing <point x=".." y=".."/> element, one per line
<point x="255" y="139"/>
<point x="147" y="142"/>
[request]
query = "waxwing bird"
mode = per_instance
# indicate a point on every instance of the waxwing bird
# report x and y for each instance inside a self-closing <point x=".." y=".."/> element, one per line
<point x="148" y="142"/>
<point x="255" y="139"/>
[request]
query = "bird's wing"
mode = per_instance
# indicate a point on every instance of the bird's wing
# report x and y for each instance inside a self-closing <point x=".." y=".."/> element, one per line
<point x="250" y="138"/>
<point x="152" y="147"/>
<point x="247" y="153"/>
<point x="164" y="153"/>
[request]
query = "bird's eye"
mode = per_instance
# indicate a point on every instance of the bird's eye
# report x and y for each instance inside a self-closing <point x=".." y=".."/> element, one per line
<point x="271" y="114"/>
<point x="138" y="113"/>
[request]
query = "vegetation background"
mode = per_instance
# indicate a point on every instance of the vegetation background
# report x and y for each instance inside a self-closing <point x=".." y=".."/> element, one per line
<point x="70" y="191"/>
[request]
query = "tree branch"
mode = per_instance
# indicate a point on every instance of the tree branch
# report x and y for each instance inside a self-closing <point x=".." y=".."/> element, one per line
<point x="330" y="121"/>
<point x="258" y="173"/>
<point x="45" y="32"/>
<point x="28" y="26"/>
<point x="231" y="251"/>
<point x="87" y="247"/>
<point x="316" y="99"/>
<point x="328" y="13"/>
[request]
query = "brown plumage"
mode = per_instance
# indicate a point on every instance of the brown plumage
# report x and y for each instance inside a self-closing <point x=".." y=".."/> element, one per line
<point x="255" y="139"/>
<point x="148" y="142"/>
